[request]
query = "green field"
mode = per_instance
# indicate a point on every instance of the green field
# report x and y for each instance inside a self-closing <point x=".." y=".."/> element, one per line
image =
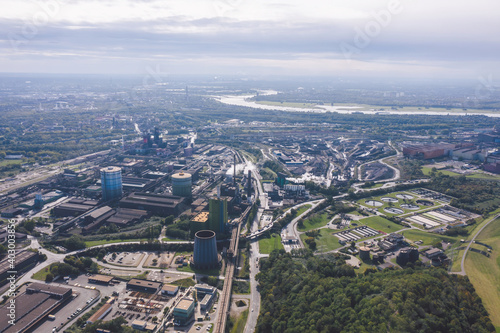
<point x="112" y="241"/>
<point x="380" y="224"/>
<point x="484" y="272"/>
<point x="481" y="175"/>
<point x="326" y="241"/>
<point x="267" y="245"/>
<point x="41" y="274"/>
<point x="302" y="209"/>
<point x="239" y="326"/>
<point x="190" y="269"/>
<point x="377" y="185"/>
<point x="314" y="222"/>
<point x="426" y="171"/>
<point x="187" y="282"/>
<point x="428" y="238"/>
<point x="9" y="162"/>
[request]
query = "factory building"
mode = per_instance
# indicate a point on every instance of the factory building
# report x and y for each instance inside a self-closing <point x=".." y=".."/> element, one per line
<point x="205" y="250"/>
<point x="126" y="216"/>
<point x="218" y="214"/>
<point x="199" y="222"/>
<point x="101" y="279"/>
<point x="24" y="259"/>
<point x="143" y="285"/>
<point x="183" y="311"/>
<point x="162" y="205"/>
<point x="169" y="289"/>
<point x="427" y="151"/>
<point x="111" y="183"/>
<point x="181" y="184"/>
<point x="74" y="207"/>
<point x="33" y="306"/>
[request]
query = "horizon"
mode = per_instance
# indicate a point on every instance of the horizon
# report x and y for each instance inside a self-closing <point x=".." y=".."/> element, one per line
<point x="389" y="39"/>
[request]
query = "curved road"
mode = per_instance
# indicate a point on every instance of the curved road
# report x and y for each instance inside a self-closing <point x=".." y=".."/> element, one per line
<point x="462" y="272"/>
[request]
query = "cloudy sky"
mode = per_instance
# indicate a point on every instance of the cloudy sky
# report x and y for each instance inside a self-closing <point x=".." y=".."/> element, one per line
<point x="418" y="38"/>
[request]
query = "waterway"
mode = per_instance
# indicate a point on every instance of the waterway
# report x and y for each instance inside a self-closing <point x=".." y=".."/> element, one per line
<point x="244" y="100"/>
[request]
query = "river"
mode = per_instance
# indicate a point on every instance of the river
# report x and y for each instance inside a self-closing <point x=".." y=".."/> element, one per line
<point x="243" y="100"/>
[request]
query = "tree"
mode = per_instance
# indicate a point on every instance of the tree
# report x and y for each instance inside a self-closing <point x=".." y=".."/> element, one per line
<point x="49" y="277"/>
<point x="74" y="243"/>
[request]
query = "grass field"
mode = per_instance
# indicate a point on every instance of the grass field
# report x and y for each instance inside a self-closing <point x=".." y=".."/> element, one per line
<point x="187" y="282"/>
<point x="168" y="239"/>
<point x="428" y="238"/>
<point x="484" y="273"/>
<point x="41" y="274"/>
<point x="302" y="209"/>
<point x="377" y="185"/>
<point x="380" y="224"/>
<point x="326" y="241"/>
<point x="103" y="241"/>
<point x="481" y="175"/>
<point x="267" y="245"/>
<point x="315" y="221"/>
<point x="426" y="171"/>
<point x="9" y="162"/>
<point x="239" y="325"/>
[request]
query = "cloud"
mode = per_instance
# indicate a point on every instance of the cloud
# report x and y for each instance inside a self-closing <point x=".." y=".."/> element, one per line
<point x="441" y="36"/>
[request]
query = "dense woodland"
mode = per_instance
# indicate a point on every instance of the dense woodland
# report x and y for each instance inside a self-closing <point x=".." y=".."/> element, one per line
<point x="323" y="294"/>
<point x="479" y="196"/>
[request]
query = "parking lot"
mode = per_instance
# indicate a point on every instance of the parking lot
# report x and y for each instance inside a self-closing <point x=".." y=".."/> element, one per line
<point x="66" y="311"/>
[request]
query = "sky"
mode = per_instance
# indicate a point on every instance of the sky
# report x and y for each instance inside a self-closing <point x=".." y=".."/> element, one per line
<point x="393" y="38"/>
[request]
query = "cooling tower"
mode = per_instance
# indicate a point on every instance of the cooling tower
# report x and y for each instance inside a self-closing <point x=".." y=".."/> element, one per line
<point x="205" y="250"/>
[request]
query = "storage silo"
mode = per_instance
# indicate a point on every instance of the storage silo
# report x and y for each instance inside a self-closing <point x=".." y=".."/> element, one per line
<point x="181" y="184"/>
<point x="205" y="250"/>
<point x="364" y="253"/>
<point x="111" y="183"/>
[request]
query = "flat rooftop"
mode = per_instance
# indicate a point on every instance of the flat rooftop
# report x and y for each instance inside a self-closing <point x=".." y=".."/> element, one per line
<point x="144" y="283"/>
<point x="184" y="304"/>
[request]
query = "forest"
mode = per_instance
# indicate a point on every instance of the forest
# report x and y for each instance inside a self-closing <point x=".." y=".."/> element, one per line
<point x="323" y="294"/>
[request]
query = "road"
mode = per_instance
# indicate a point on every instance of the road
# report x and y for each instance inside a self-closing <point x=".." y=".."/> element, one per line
<point x="291" y="228"/>
<point x="462" y="265"/>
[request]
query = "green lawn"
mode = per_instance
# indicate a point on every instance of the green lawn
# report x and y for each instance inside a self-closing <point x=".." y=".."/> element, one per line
<point x="239" y="326"/>
<point x="481" y="175"/>
<point x="267" y="245"/>
<point x="381" y="224"/>
<point x="315" y="221"/>
<point x="426" y="171"/>
<point x="377" y="185"/>
<point x="168" y="239"/>
<point x="187" y="282"/>
<point x="302" y="209"/>
<point x="484" y="272"/>
<point x="326" y="241"/>
<point x="103" y="241"/>
<point x="428" y="238"/>
<point x="41" y="274"/>
<point x="9" y="162"/>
